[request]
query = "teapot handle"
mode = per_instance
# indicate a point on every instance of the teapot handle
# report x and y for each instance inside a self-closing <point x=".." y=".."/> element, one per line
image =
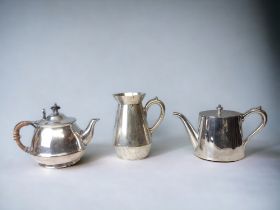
<point x="162" y="111"/>
<point x="16" y="134"/>
<point x="262" y="113"/>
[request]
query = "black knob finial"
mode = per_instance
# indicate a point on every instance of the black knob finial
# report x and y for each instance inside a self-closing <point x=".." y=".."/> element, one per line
<point x="220" y="109"/>
<point x="55" y="109"/>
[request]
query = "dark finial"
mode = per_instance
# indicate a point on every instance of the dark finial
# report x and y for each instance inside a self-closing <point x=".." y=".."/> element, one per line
<point x="55" y="109"/>
<point x="219" y="108"/>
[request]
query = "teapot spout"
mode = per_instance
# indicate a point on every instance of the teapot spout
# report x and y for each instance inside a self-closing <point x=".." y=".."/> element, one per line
<point x="87" y="135"/>
<point x="190" y="129"/>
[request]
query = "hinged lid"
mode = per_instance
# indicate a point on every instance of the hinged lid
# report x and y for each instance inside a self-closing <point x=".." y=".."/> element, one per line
<point x="219" y="113"/>
<point x="55" y="118"/>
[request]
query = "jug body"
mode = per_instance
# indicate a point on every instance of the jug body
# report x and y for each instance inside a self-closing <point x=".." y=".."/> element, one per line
<point x="132" y="135"/>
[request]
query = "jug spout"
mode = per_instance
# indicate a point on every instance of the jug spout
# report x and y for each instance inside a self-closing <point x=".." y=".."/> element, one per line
<point x="88" y="132"/>
<point x="190" y="129"/>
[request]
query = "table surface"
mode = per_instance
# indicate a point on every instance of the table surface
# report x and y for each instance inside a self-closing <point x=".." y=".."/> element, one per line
<point x="170" y="178"/>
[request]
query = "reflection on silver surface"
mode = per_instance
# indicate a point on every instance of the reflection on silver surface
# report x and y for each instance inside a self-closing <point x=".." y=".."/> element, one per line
<point x="133" y="153"/>
<point x="132" y="135"/>
<point x="57" y="141"/>
<point x="219" y="137"/>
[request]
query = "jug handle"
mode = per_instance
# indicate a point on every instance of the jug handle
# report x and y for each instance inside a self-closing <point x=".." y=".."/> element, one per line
<point x="16" y="134"/>
<point x="262" y="113"/>
<point x="162" y="111"/>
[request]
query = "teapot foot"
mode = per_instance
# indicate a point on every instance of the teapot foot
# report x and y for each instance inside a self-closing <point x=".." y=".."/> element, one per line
<point x="133" y="153"/>
<point x="64" y="165"/>
<point x="61" y="161"/>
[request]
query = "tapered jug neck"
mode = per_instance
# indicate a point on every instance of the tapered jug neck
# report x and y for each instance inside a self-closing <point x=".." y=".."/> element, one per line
<point x="129" y="98"/>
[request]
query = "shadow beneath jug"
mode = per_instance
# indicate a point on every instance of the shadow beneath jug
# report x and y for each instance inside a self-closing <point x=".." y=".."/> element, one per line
<point x="167" y="145"/>
<point x="159" y="147"/>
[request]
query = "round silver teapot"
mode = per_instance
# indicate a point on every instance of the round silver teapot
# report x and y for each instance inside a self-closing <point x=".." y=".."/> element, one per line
<point x="219" y="136"/>
<point x="57" y="141"/>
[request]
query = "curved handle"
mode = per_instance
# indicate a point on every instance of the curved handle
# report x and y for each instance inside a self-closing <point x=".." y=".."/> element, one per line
<point x="162" y="111"/>
<point x="16" y="134"/>
<point x="262" y="113"/>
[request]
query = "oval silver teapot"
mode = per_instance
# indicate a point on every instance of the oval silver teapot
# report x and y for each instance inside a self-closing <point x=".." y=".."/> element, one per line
<point x="219" y="136"/>
<point x="57" y="141"/>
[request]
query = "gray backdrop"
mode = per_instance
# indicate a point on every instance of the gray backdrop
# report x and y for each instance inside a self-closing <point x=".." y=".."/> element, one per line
<point x="193" y="55"/>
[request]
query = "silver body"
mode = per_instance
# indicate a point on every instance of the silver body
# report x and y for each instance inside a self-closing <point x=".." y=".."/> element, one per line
<point x="57" y="141"/>
<point x="219" y="136"/>
<point x="132" y="135"/>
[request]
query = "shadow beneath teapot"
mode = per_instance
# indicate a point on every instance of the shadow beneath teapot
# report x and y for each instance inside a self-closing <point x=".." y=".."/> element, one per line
<point x="95" y="152"/>
<point x="267" y="148"/>
<point x="166" y="145"/>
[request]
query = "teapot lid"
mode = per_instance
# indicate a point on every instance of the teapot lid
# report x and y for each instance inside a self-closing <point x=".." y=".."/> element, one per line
<point x="55" y="118"/>
<point x="219" y="113"/>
